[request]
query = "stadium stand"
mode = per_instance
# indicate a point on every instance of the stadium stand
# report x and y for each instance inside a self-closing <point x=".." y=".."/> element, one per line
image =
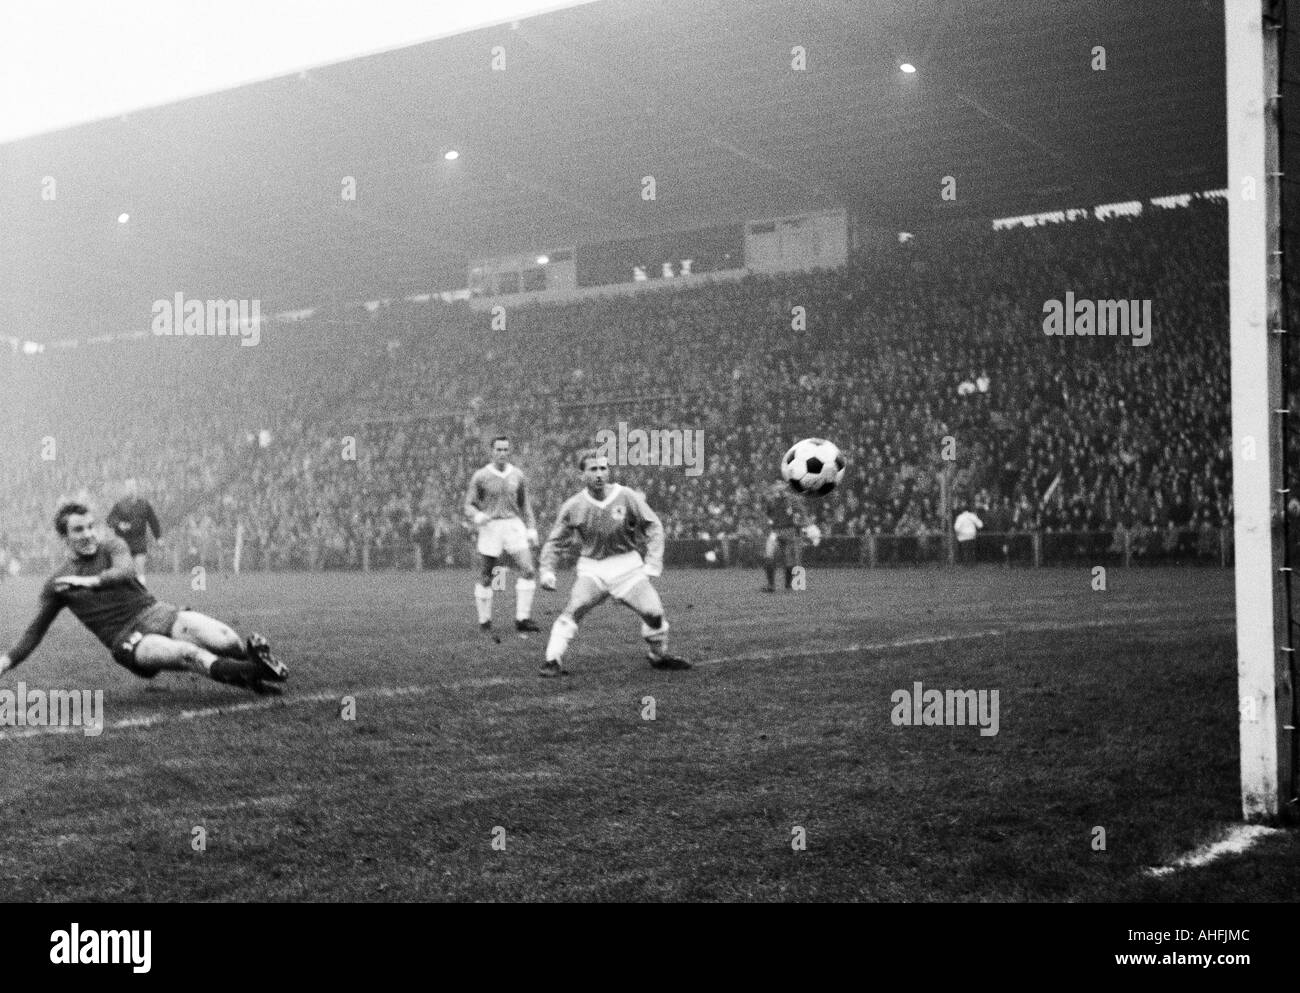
<point x="940" y="338"/>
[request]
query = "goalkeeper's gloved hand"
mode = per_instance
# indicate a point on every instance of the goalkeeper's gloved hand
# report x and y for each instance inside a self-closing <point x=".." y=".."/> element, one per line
<point x="532" y="536"/>
<point x="480" y="518"/>
<point x="547" y="579"/>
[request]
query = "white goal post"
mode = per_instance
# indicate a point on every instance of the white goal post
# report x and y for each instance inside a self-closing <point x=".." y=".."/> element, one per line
<point x="1254" y="268"/>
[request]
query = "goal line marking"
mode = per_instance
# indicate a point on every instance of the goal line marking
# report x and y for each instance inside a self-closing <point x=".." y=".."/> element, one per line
<point x="1236" y="840"/>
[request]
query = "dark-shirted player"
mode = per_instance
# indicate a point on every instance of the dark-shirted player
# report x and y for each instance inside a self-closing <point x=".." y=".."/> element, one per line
<point x="609" y="521"/>
<point x="146" y="636"/>
<point x="497" y="503"/>
<point x="784" y="538"/>
<point x="131" y="519"/>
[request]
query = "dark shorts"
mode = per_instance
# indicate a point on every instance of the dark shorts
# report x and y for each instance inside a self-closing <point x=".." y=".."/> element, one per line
<point x="157" y="618"/>
<point x="785" y="545"/>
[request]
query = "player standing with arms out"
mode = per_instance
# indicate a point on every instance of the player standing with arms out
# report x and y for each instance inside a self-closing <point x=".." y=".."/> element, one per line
<point x="146" y="636"/>
<point x="607" y="519"/>
<point x="784" y="540"/>
<point x="131" y="519"/>
<point x="497" y="502"/>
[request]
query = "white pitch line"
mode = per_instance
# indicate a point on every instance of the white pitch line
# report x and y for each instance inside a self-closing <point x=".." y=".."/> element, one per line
<point x="327" y="696"/>
<point x="1240" y="838"/>
<point x="387" y="692"/>
<point x="879" y="646"/>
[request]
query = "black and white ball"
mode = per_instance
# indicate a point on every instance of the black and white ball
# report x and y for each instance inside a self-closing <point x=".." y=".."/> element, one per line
<point x="813" y="467"/>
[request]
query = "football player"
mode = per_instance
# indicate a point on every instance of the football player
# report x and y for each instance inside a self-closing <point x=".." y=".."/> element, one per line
<point x="608" y="521"/>
<point x="131" y="519"/>
<point x="497" y="503"/>
<point x="146" y="636"/>
<point x="784" y="518"/>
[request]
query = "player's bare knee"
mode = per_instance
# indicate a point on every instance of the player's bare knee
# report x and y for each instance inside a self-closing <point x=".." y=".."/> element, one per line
<point x="157" y="652"/>
<point x="207" y="633"/>
<point x="226" y="642"/>
<point x="155" y="649"/>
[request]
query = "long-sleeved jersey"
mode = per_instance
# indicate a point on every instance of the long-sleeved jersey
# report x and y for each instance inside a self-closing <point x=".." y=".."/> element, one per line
<point x="501" y="494"/>
<point x="129" y="519"/>
<point x="105" y="611"/>
<point x="782" y="508"/>
<point x="607" y="527"/>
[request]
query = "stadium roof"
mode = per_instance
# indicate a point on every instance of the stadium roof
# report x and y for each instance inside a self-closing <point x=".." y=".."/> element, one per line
<point x="238" y="194"/>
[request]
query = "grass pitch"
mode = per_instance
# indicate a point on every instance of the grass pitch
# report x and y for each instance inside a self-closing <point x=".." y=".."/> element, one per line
<point x="466" y="777"/>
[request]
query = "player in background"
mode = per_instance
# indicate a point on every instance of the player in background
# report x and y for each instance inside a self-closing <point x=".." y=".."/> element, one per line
<point x="497" y="502"/>
<point x="146" y="636"/>
<point x="785" y="518"/>
<point x="131" y="519"/>
<point x="966" y="527"/>
<point x="609" y="521"/>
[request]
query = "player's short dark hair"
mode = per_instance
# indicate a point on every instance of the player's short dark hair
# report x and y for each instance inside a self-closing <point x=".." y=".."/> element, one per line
<point x="588" y="453"/>
<point x="500" y="437"/>
<point x="65" y="511"/>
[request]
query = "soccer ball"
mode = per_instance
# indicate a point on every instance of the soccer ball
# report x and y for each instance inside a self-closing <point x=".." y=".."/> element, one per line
<point x="813" y="467"/>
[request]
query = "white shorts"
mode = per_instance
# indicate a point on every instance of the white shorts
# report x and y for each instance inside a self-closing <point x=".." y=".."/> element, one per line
<point x="506" y="533"/>
<point x="616" y="575"/>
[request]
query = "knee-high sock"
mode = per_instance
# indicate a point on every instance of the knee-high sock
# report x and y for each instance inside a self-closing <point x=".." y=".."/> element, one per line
<point x="656" y="638"/>
<point x="483" y="601"/>
<point x="226" y="670"/>
<point x="562" y="632"/>
<point x="769" y="567"/>
<point x="524" y="598"/>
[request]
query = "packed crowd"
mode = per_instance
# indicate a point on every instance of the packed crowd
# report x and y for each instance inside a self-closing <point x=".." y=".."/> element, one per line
<point x="927" y="364"/>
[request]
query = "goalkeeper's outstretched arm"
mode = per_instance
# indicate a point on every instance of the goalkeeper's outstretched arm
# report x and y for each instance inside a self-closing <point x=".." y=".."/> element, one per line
<point x="49" y="610"/>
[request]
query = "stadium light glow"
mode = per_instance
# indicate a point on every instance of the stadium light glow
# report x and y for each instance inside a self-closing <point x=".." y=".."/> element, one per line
<point x="908" y="68"/>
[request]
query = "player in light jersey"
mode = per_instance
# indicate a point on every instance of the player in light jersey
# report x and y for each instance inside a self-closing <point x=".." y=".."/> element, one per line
<point x="497" y="502"/>
<point x="608" y="520"/>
